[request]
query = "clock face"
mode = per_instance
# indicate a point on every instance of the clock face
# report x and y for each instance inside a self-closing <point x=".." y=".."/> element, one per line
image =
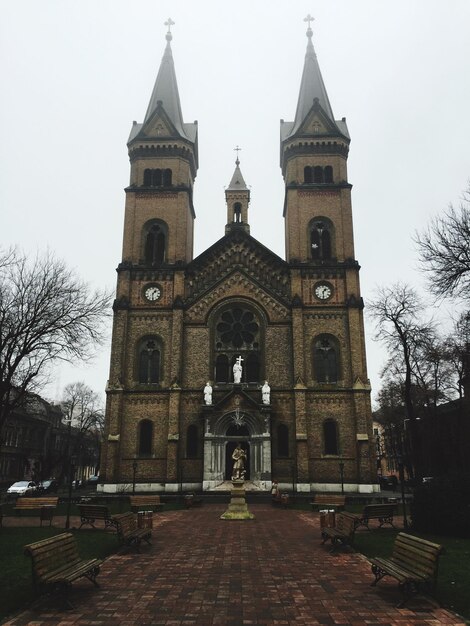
<point x="153" y="293"/>
<point x="323" y="291"/>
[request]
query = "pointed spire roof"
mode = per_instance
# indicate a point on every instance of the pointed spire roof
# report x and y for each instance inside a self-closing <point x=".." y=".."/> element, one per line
<point x="237" y="183"/>
<point x="311" y="86"/>
<point x="166" y="89"/>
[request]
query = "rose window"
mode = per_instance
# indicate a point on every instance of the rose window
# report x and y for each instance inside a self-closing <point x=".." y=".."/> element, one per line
<point x="237" y="327"/>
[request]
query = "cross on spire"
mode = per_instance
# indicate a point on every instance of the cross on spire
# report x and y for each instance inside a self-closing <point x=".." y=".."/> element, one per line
<point x="169" y="23"/>
<point x="309" y="19"/>
<point x="237" y="150"/>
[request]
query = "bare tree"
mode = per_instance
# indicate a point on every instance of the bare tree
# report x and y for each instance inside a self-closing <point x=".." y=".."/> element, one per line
<point x="46" y="314"/>
<point x="444" y="249"/>
<point x="397" y="313"/>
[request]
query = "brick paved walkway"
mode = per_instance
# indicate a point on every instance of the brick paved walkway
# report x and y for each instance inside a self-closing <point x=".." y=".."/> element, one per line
<point x="204" y="571"/>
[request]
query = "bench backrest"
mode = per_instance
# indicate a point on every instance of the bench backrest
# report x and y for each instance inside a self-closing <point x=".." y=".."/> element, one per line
<point x="323" y="498"/>
<point x="96" y="511"/>
<point x="144" y="500"/>
<point x="50" y="554"/>
<point x="417" y="555"/>
<point x="35" y="503"/>
<point x="379" y="510"/>
<point x="126" y="523"/>
<point x="345" y="523"/>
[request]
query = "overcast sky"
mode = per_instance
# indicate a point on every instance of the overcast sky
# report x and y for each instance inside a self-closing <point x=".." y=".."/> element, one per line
<point x="75" y="74"/>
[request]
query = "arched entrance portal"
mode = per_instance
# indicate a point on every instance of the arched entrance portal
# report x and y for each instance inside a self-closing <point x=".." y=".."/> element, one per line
<point x="242" y="439"/>
<point x="221" y="439"/>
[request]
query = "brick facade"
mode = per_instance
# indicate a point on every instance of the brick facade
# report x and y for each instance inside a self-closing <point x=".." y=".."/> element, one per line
<point x="296" y="322"/>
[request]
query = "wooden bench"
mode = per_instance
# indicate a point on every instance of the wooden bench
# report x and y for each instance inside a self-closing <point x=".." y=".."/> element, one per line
<point x="414" y="563"/>
<point x="328" y="501"/>
<point x="128" y="532"/>
<point x="89" y="513"/>
<point x="45" y="505"/>
<point x="191" y="499"/>
<point x="56" y="564"/>
<point x="343" y="532"/>
<point x="382" y="512"/>
<point x="145" y="503"/>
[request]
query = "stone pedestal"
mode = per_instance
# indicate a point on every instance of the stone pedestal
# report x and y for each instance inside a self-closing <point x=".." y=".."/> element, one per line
<point x="237" y="509"/>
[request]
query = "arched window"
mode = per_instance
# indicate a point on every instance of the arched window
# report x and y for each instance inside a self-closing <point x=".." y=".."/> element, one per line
<point x="149" y="356"/>
<point x="282" y="440"/>
<point x="167" y="177"/>
<point x="237" y="333"/>
<point x="192" y="437"/>
<point x="252" y="368"/>
<point x="330" y="437"/>
<point x="321" y="232"/>
<point x="145" y="438"/>
<point x="326" y="359"/>
<point x="221" y="369"/>
<point x="147" y="178"/>
<point x="308" y="178"/>
<point x="318" y="174"/>
<point x="237" y="212"/>
<point x="155" y="241"/>
<point x="328" y="174"/>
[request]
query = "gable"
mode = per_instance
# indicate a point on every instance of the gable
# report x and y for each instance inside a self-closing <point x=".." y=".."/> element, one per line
<point x="318" y="123"/>
<point x="158" y="125"/>
<point x="238" y="252"/>
<point x="237" y="285"/>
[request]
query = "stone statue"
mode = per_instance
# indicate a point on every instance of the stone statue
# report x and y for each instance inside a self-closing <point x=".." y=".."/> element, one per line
<point x="237" y="370"/>
<point x="266" y="392"/>
<point x="208" y="393"/>
<point x="239" y="456"/>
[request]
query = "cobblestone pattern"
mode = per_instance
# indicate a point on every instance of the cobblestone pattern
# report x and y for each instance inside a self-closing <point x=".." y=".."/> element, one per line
<point x="207" y="572"/>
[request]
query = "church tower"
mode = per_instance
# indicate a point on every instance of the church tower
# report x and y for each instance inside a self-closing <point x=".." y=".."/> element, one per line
<point x="147" y="349"/>
<point x="332" y="405"/>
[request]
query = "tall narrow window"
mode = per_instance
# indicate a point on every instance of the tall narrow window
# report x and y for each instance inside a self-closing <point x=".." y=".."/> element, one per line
<point x="321" y="239"/>
<point x="318" y="174"/>
<point x="167" y="178"/>
<point x="328" y="174"/>
<point x="221" y="369"/>
<point x="155" y="245"/>
<point x="192" y="441"/>
<point x="330" y="437"/>
<point x="282" y="440"/>
<point x="149" y="361"/>
<point x="147" y="178"/>
<point x="145" y="438"/>
<point x="237" y="212"/>
<point x="308" y="178"/>
<point x="157" y="178"/>
<point x="326" y="359"/>
<point x="252" y="368"/>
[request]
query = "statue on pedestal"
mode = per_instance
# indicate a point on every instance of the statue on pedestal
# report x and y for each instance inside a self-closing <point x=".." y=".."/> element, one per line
<point x="208" y="393"/>
<point x="266" y="392"/>
<point x="237" y="370"/>
<point x="239" y="456"/>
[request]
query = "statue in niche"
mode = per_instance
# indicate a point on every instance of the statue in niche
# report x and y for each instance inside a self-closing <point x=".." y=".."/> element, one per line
<point x="237" y="370"/>
<point x="238" y="456"/>
<point x="208" y="393"/>
<point x="266" y="393"/>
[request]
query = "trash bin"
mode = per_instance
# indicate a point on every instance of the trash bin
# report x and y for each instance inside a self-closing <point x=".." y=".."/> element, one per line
<point x="327" y="518"/>
<point x="145" y="519"/>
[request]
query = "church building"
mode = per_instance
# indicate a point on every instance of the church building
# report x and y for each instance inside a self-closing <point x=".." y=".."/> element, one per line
<point x="238" y="345"/>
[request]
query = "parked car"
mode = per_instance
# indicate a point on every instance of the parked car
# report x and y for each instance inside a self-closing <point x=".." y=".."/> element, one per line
<point x="22" y="488"/>
<point x="48" y="486"/>
<point x="92" y="480"/>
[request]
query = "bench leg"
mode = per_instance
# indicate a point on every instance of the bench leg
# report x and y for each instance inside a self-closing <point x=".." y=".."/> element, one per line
<point x="92" y="574"/>
<point x="386" y="520"/>
<point x="378" y="573"/>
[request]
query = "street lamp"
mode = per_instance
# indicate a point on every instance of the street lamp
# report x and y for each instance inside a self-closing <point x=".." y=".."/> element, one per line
<point x="401" y="475"/>
<point x="341" y="473"/>
<point x="134" y="470"/>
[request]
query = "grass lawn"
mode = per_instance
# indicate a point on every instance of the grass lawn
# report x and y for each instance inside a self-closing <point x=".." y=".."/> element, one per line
<point x="454" y="564"/>
<point x="15" y="574"/>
